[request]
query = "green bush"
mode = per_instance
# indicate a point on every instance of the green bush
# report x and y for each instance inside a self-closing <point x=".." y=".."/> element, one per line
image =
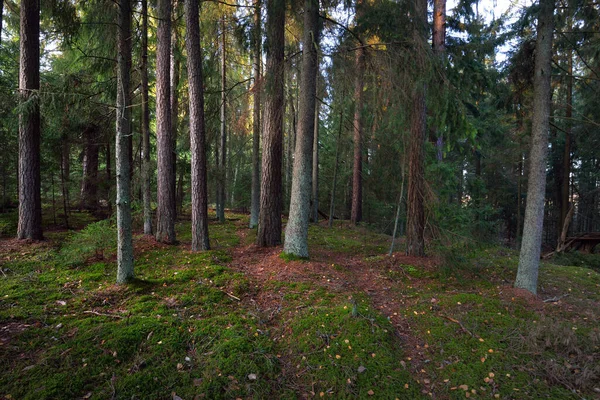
<point x="98" y="239"/>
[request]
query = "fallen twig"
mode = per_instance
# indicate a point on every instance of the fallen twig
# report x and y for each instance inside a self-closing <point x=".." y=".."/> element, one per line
<point x="555" y="298"/>
<point x="103" y="314"/>
<point x="232" y="296"/>
<point x="459" y="324"/>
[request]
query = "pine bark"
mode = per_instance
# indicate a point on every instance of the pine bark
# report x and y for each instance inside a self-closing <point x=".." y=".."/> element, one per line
<point x="415" y="229"/>
<point x="165" y="223"/>
<point x="335" y="169"/>
<point x="222" y="158"/>
<point x="255" y="204"/>
<point x="30" y="207"/>
<point x="146" y="194"/>
<point x="200" y="238"/>
<point x="439" y="48"/>
<point x="529" y="258"/>
<point x="175" y="70"/>
<point x="89" y="183"/>
<point x="269" y="226"/>
<point x="356" y="208"/>
<point x="123" y="132"/>
<point x="296" y="233"/>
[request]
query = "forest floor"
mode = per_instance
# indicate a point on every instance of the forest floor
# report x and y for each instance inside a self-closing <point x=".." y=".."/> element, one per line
<point x="245" y="322"/>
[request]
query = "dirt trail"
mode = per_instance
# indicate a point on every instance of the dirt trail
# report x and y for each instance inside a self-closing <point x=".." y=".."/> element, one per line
<point x="340" y="273"/>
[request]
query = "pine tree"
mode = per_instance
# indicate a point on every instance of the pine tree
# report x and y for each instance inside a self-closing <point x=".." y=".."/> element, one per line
<point x="529" y="258"/>
<point x="200" y="240"/>
<point x="269" y="226"/>
<point x="255" y="195"/>
<point x="146" y="193"/>
<point x="165" y="224"/>
<point x="30" y="207"/>
<point x="296" y="233"/>
<point x="122" y="150"/>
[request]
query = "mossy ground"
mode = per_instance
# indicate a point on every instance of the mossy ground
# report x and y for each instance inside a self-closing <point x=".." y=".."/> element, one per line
<point x="359" y="324"/>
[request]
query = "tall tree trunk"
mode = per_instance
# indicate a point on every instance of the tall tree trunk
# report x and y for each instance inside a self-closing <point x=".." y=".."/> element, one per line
<point x="356" y="208"/>
<point x="89" y="183"/>
<point x="335" y="169"/>
<point x="1" y="15"/>
<point x="222" y="160"/>
<point x="415" y="241"/>
<point x="124" y="235"/>
<point x="566" y="160"/>
<point x="200" y="239"/>
<point x="30" y="204"/>
<point x="315" y="167"/>
<point x="439" y="48"/>
<point x="269" y="225"/>
<point x="255" y="205"/>
<point x="109" y="176"/>
<point x="529" y="258"/>
<point x="146" y="194"/>
<point x="296" y="233"/>
<point x="165" y="223"/>
<point x="174" y="84"/>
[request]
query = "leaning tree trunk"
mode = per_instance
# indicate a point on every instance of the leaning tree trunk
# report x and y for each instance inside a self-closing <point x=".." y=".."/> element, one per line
<point x="529" y="258"/>
<point x="30" y="205"/>
<point x="296" y="233"/>
<point x="359" y="80"/>
<point x="269" y="226"/>
<point x="255" y="205"/>
<point x="415" y="241"/>
<point x="146" y="194"/>
<point x="165" y="221"/>
<point x="200" y="239"/>
<point x="89" y="183"/>
<point x="222" y="158"/>
<point x="124" y="235"/>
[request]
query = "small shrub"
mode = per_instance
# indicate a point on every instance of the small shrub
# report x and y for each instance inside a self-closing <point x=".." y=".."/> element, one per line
<point x="98" y="239"/>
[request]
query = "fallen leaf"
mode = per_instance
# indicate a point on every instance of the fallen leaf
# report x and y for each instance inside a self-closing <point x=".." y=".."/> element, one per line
<point x="361" y="369"/>
<point x="252" y="377"/>
<point x="370" y="393"/>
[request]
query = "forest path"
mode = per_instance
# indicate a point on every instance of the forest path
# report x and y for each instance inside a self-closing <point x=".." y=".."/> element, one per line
<point x="381" y="278"/>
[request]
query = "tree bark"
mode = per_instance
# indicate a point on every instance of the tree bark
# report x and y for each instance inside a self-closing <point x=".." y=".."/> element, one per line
<point x="439" y="48"/>
<point x="356" y="208"/>
<point x="269" y="226"/>
<point x="200" y="238"/>
<point x="89" y="183"/>
<point x="123" y="128"/>
<point x="296" y="233"/>
<point x="30" y="206"/>
<point x="146" y="194"/>
<point x="315" y="167"/>
<point x="255" y="205"/>
<point x="566" y="160"/>
<point x="335" y="169"/>
<point x="415" y="240"/>
<point x="1" y="15"/>
<point x="529" y="258"/>
<point x="175" y="69"/>
<point x="165" y="224"/>
<point x="222" y="159"/>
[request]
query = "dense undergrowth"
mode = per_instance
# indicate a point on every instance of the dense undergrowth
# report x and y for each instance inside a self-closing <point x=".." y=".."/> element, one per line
<point x="195" y="325"/>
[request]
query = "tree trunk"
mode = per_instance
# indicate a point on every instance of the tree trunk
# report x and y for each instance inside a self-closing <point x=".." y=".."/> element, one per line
<point x="439" y="48"/>
<point x="415" y="241"/>
<point x="269" y="226"/>
<point x="397" y="219"/>
<point x="566" y="160"/>
<point x="197" y="129"/>
<point x="165" y="221"/>
<point x="109" y="176"/>
<point x="1" y="15"/>
<point x="30" y="204"/>
<point x="335" y="169"/>
<point x="529" y="258"/>
<point x="356" y="208"/>
<point x="124" y="235"/>
<point x="89" y="183"/>
<point x="221" y="163"/>
<point x="296" y="233"/>
<point x="175" y="68"/>
<point x="255" y="205"/>
<point x="146" y="194"/>
<point x="315" y="167"/>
